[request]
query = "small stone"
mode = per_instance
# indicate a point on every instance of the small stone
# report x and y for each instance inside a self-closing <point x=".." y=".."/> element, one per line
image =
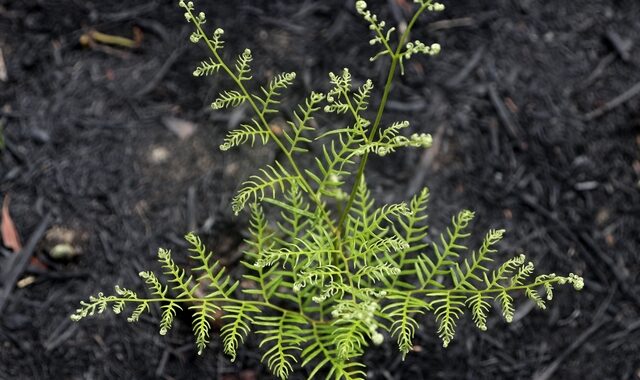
<point x="180" y="127"/>
<point x="64" y="252"/>
<point x="159" y="155"/>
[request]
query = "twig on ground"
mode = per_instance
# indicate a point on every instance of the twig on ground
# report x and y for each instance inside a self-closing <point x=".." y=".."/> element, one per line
<point x="599" y="319"/>
<point x="597" y="72"/>
<point x="65" y="330"/>
<point x="451" y="23"/>
<point x="191" y="209"/>
<point x="615" y="102"/>
<point x="503" y="112"/>
<point x="163" y="362"/>
<point x="462" y="22"/>
<point x="622" y="45"/>
<point x="467" y="69"/>
<point x="160" y="74"/>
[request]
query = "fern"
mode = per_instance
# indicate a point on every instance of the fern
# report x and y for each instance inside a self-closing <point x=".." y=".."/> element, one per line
<point x="328" y="270"/>
<point x="284" y="336"/>
<point x="428" y="268"/>
<point x="243" y="69"/>
<point x="208" y="67"/>
<point x="403" y="308"/>
<point x="448" y="309"/>
<point x="302" y="117"/>
<point x="246" y="133"/>
<point x="239" y="320"/>
<point x="228" y="98"/>
<point x="270" y="95"/>
<point x="203" y="314"/>
<point x="270" y="179"/>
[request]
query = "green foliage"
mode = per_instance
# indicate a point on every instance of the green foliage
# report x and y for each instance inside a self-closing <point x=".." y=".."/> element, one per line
<point x="328" y="270"/>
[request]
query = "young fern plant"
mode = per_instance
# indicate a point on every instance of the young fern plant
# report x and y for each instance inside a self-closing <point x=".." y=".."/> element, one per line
<point x="330" y="272"/>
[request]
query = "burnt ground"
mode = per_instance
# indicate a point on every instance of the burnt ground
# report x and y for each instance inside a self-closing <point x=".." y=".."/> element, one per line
<point x="509" y="101"/>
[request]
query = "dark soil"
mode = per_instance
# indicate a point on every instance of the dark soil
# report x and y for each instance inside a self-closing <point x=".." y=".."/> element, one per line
<point x="508" y="101"/>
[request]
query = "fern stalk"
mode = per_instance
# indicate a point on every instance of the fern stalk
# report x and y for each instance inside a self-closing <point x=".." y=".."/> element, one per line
<point x="395" y="58"/>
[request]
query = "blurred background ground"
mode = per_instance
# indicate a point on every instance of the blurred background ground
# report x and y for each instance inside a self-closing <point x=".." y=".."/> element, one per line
<point x="119" y="147"/>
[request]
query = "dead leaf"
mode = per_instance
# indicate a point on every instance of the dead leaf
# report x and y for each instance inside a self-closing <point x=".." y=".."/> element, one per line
<point x="10" y="237"/>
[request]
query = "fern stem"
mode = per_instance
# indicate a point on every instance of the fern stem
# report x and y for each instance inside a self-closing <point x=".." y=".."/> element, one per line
<point x="383" y="103"/>
<point x="216" y="300"/>
<point x="497" y="289"/>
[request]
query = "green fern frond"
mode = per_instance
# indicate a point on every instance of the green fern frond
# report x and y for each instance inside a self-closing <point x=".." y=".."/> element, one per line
<point x="445" y="253"/>
<point x="534" y="296"/>
<point x="295" y="217"/>
<point x="479" y="307"/>
<point x="317" y="276"/>
<point x="377" y="272"/>
<point x="382" y="36"/>
<point x="362" y="96"/>
<point x="271" y="179"/>
<point x="206" y="68"/>
<point x="118" y="306"/>
<point x="341" y="83"/>
<point x="300" y="124"/>
<point x="270" y="95"/>
<point x="322" y="353"/>
<point x="338" y="98"/>
<point x="246" y="133"/>
<point x="261" y="240"/>
<point x="203" y="314"/>
<point x="521" y="275"/>
<point x="228" y="98"/>
<point x="448" y="309"/>
<point x="243" y="69"/>
<point x="472" y="268"/>
<point x="402" y="309"/>
<point x="169" y="311"/>
<point x="238" y="321"/>
<point x="212" y="274"/>
<point x="363" y="203"/>
<point x="331" y="166"/>
<point x="504" y="270"/>
<point x="506" y="302"/>
<point x="390" y="133"/>
<point x="182" y="284"/>
<point x="138" y="311"/>
<point x="369" y="250"/>
<point x="382" y="148"/>
<point x="350" y="338"/>
<point x="154" y="284"/>
<point x="284" y="336"/>
<point x="413" y="229"/>
<point x="96" y="305"/>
